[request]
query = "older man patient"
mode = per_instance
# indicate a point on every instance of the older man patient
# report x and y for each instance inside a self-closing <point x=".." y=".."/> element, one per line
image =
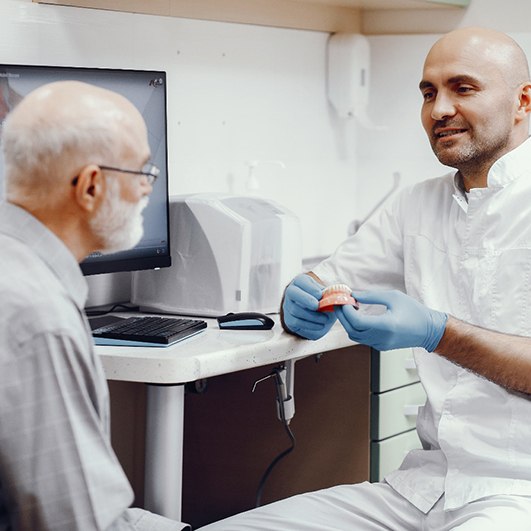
<point x="57" y="468"/>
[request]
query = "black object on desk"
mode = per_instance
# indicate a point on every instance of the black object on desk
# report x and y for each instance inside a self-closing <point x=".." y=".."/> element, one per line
<point x="145" y="331"/>
<point x="245" y="321"/>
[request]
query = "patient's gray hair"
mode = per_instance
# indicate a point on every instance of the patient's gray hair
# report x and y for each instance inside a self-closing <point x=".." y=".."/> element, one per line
<point x="40" y="153"/>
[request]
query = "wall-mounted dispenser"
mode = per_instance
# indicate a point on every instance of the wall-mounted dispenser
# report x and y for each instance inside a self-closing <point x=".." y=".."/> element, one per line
<point x="348" y="73"/>
<point x="349" y="76"/>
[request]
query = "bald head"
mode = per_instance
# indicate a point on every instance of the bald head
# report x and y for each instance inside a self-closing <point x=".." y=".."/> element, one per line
<point x="60" y="127"/>
<point x="483" y="48"/>
<point x="67" y="101"/>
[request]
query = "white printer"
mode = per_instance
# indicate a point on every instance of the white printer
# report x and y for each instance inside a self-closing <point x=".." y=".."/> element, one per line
<point x="229" y="254"/>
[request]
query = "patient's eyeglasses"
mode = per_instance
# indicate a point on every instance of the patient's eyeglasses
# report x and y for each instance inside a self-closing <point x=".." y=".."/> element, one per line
<point x="149" y="170"/>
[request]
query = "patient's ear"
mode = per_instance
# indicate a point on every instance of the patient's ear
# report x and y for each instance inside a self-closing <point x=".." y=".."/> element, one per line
<point x="89" y="187"/>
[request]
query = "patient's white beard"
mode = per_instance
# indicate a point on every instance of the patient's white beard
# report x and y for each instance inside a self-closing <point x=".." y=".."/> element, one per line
<point x="119" y="224"/>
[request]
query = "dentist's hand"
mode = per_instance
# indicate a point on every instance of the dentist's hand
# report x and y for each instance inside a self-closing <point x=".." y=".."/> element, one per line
<point x="406" y="323"/>
<point x="299" y="309"/>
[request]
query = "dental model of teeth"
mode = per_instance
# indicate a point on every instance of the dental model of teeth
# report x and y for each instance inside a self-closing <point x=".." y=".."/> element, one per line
<point x="336" y="295"/>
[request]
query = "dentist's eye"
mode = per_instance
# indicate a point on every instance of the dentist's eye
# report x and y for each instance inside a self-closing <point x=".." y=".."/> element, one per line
<point x="464" y="89"/>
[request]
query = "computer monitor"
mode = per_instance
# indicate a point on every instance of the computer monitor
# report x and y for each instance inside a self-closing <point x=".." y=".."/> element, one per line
<point x="146" y="89"/>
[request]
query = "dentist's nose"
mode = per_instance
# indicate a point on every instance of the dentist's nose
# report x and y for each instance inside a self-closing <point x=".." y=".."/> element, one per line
<point x="442" y="107"/>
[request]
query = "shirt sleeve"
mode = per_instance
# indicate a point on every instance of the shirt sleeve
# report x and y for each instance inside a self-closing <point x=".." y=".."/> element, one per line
<point x="373" y="258"/>
<point x="58" y="469"/>
<point x="146" y="521"/>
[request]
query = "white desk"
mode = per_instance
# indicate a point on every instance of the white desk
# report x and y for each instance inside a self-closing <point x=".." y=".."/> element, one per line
<point x="210" y="353"/>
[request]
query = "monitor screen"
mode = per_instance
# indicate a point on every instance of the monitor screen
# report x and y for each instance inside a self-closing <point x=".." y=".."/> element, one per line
<point x="146" y="89"/>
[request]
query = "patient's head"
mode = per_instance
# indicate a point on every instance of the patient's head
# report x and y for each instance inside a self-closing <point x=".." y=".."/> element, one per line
<point x="56" y="143"/>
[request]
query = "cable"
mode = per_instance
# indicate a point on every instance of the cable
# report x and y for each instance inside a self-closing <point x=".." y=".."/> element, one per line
<point x="95" y="313"/>
<point x="285" y="422"/>
<point x="275" y="461"/>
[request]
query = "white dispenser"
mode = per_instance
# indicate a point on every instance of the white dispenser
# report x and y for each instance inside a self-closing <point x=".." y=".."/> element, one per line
<point x="229" y="254"/>
<point x="348" y="74"/>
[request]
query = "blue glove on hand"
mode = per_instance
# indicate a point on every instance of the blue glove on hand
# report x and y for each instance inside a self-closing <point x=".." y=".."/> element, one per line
<point x="300" y="314"/>
<point x="406" y="323"/>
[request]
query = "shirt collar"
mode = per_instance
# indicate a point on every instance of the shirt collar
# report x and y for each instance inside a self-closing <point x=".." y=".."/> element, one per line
<point x="511" y="166"/>
<point x="21" y="225"/>
<point x="460" y="195"/>
<point x="505" y="170"/>
<point x="459" y="185"/>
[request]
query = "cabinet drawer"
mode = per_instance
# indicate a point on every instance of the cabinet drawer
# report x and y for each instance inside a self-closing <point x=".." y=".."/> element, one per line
<point x="392" y="368"/>
<point x="388" y="455"/>
<point x="395" y="411"/>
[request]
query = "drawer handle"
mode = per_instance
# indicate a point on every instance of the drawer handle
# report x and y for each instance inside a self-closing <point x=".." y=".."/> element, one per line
<point x="410" y="365"/>
<point x="411" y="410"/>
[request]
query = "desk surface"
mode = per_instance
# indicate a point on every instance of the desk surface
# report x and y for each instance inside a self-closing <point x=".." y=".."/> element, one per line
<point x="213" y="352"/>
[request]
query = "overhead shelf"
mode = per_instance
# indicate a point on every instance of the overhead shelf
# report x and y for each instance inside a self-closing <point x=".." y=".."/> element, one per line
<point x="320" y="15"/>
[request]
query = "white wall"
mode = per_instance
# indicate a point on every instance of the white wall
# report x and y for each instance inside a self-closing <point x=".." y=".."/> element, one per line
<point x="236" y="93"/>
<point x="401" y="144"/>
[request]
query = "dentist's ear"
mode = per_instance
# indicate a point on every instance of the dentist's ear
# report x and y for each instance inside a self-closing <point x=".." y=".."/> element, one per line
<point x="524" y="102"/>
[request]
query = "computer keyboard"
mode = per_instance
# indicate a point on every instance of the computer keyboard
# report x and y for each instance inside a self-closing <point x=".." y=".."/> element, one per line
<point x="161" y="331"/>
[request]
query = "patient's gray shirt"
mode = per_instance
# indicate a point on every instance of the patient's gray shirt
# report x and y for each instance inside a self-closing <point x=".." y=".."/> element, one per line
<point x="57" y="468"/>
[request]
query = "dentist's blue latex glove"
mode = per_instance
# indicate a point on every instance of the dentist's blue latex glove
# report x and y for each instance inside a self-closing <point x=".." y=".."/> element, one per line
<point x="299" y="309"/>
<point x="406" y="323"/>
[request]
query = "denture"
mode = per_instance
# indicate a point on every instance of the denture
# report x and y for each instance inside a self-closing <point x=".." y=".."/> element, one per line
<point x="336" y="295"/>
